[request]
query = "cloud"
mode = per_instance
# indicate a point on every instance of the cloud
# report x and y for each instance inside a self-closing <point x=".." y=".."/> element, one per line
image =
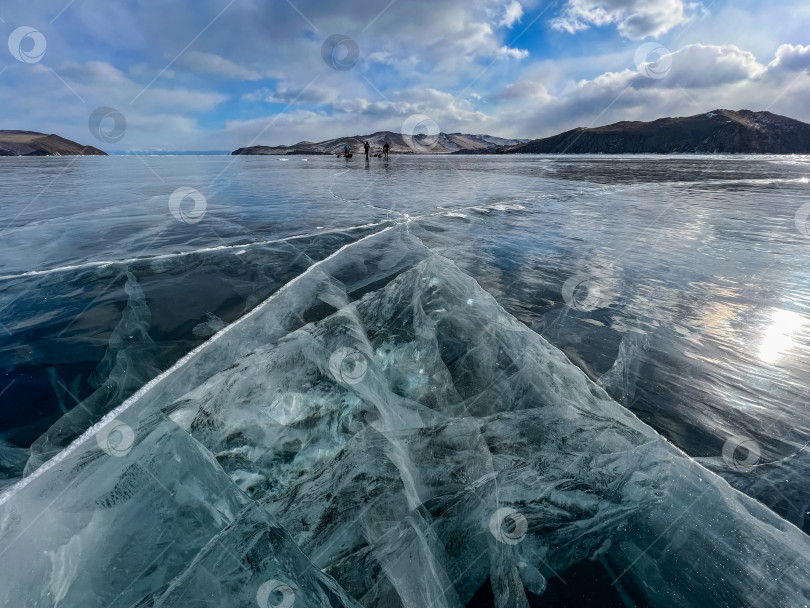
<point x="512" y="13"/>
<point x="416" y="57"/>
<point x="180" y="99"/>
<point x="307" y="94"/>
<point x="428" y="38"/>
<point x="691" y="67"/>
<point x="210" y="63"/>
<point x="166" y="126"/>
<point x="94" y="73"/>
<point x="100" y="81"/>
<point x="525" y="89"/>
<point x="634" y="19"/>
<point x="700" y="65"/>
<point x="254" y="127"/>
<point x="794" y="58"/>
<point x="438" y="105"/>
<point x="356" y="116"/>
<point x="514" y="53"/>
<point x="701" y="78"/>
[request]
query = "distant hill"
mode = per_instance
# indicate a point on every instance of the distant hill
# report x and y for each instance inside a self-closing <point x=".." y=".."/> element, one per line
<point x="30" y="143"/>
<point x="720" y="131"/>
<point x="443" y="143"/>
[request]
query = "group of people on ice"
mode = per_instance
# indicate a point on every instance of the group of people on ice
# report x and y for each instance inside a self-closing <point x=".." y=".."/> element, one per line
<point x="347" y="152"/>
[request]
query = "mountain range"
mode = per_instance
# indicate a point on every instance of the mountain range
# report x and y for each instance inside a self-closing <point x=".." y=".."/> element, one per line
<point x="718" y="132"/>
<point x="443" y="143"/>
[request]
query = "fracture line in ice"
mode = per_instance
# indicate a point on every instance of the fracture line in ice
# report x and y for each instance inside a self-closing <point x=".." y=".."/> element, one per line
<point x="5" y="496"/>
<point x="448" y="211"/>
<point x="166" y="256"/>
<point x="11" y="491"/>
<point x="346" y="200"/>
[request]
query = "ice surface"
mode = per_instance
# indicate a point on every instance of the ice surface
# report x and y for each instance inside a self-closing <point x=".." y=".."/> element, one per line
<point x="382" y="433"/>
<point x="94" y="332"/>
<point x="161" y="525"/>
<point x="12" y="463"/>
<point x="128" y="364"/>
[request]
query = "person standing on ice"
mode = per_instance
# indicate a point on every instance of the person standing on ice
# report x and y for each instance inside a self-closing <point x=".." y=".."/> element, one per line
<point x="346" y="150"/>
<point x="366" y="148"/>
<point x="385" y="149"/>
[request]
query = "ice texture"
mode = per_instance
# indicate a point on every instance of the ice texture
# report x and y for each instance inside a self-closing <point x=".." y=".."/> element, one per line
<point x="128" y="364"/>
<point x="85" y="337"/>
<point x="381" y="433"/>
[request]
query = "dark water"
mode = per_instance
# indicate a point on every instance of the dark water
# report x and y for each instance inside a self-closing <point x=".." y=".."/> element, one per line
<point x="680" y="284"/>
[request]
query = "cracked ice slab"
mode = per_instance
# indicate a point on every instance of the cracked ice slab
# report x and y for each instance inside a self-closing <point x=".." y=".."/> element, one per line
<point x="383" y="432"/>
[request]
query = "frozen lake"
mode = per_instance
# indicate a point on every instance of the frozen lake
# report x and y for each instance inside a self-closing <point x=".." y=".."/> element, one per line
<point x="677" y="284"/>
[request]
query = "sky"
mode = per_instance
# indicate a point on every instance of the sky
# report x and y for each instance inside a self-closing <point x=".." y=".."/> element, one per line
<point x="144" y="75"/>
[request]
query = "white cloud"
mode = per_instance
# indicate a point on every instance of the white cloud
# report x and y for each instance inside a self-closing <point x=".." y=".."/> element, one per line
<point x="524" y="89"/>
<point x="441" y="106"/>
<point x="413" y="59"/>
<point x="100" y="82"/>
<point x="254" y="127"/>
<point x="792" y="57"/>
<point x="512" y="13"/>
<point x="691" y="67"/>
<point x="700" y="65"/>
<point x="514" y="53"/>
<point x="702" y="78"/>
<point x="634" y="19"/>
<point x="356" y="116"/>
